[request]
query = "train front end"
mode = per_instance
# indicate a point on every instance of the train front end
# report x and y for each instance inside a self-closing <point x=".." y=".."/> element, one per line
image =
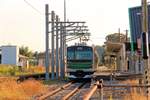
<point x="80" y="62"/>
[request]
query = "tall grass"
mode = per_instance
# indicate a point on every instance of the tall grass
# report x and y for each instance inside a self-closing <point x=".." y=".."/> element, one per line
<point x="134" y="94"/>
<point x="11" y="90"/>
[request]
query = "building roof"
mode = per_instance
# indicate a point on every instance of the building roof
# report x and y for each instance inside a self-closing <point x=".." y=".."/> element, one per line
<point x="23" y="57"/>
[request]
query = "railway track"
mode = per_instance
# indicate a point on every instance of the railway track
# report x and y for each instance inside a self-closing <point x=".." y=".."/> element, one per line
<point x="70" y="91"/>
<point x="79" y="95"/>
<point x="99" y="90"/>
<point x="78" y="91"/>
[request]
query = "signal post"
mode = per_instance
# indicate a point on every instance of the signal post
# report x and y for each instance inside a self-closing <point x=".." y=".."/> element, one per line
<point x="145" y="44"/>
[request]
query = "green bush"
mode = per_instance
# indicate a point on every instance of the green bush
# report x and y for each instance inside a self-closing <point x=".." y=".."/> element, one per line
<point x="15" y="70"/>
<point x="11" y="71"/>
<point x="8" y="70"/>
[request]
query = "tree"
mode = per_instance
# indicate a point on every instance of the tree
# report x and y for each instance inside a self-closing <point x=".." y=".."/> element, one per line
<point x="25" y="51"/>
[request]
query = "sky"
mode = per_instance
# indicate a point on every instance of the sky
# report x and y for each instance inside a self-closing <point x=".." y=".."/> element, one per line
<point x="23" y="25"/>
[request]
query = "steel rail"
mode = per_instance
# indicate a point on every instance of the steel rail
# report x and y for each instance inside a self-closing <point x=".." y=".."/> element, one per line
<point x="91" y="92"/>
<point x="43" y="97"/>
<point x="66" y="97"/>
<point x="124" y="85"/>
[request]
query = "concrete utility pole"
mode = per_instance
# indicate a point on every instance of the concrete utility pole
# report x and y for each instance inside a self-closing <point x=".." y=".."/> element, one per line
<point x="61" y="52"/>
<point x="145" y="30"/>
<point x="57" y="51"/>
<point x="64" y="10"/>
<point x="126" y="35"/>
<point x="52" y="40"/>
<point x="47" y="41"/>
<point x="64" y="38"/>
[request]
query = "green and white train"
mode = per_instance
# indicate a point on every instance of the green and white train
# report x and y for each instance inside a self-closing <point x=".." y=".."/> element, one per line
<point x="80" y="62"/>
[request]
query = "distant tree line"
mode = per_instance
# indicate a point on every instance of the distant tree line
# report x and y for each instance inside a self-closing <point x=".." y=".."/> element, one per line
<point x="24" y="50"/>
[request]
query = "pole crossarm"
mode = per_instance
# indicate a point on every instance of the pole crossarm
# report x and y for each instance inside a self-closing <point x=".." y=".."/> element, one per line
<point x="69" y="24"/>
<point x="72" y="28"/>
<point x="73" y="22"/>
<point x="77" y="29"/>
<point x="73" y="38"/>
<point x="79" y="33"/>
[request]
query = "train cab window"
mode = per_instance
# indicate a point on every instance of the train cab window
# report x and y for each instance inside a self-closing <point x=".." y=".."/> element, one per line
<point x="70" y="55"/>
<point x="83" y="55"/>
<point x="79" y="53"/>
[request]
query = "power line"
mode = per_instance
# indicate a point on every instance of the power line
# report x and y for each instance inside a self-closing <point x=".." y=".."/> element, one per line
<point x="32" y="7"/>
<point x="97" y="37"/>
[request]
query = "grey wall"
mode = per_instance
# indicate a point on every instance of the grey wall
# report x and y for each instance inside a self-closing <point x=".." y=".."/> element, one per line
<point x="10" y="55"/>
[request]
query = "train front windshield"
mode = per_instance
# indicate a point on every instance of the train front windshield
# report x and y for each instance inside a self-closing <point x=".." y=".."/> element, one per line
<point x="83" y="55"/>
<point x="80" y="53"/>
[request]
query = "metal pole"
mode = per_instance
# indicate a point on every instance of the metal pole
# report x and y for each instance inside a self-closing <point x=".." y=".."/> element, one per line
<point x="61" y="49"/>
<point x="126" y="56"/>
<point x="47" y="42"/>
<point x="52" y="53"/>
<point x="64" y="38"/>
<point x="144" y="16"/>
<point x="57" y="51"/>
<point x="126" y="35"/>
<point x="145" y="29"/>
<point x="64" y="10"/>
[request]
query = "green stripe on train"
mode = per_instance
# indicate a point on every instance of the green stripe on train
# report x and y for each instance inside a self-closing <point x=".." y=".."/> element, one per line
<point x="79" y="65"/>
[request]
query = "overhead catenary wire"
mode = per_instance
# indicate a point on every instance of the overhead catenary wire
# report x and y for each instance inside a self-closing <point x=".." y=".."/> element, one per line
<point x="102" y="38"/>
<point x="32" y="7"/>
